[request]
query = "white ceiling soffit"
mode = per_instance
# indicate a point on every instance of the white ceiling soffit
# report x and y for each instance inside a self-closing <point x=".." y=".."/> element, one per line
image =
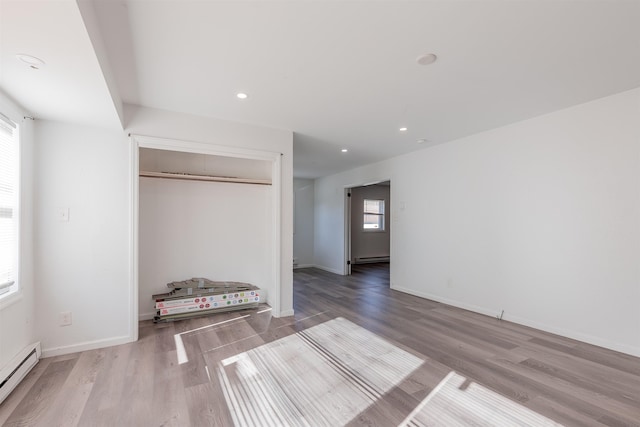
<point x="70" y="86"/>
<point x="344" y="74"/>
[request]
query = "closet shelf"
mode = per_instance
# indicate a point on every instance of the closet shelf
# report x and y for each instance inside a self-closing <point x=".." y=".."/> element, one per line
<point x="191" y="177"/>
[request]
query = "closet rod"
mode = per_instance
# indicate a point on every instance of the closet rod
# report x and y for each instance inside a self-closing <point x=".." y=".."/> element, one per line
<point x="190" y="177"/>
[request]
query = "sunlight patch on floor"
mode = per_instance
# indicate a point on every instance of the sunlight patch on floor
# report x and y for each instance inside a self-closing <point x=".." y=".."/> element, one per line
<point x="323" y="376"/>
<point x="181" y="352"/>
<point x="451" y="404"/>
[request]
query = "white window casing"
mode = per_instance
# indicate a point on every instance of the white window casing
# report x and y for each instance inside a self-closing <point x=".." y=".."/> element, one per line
<point x="9" y="206"/>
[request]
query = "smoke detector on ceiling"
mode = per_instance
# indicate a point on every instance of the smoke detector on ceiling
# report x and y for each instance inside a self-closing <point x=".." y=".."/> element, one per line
<point x="31" y="61"/>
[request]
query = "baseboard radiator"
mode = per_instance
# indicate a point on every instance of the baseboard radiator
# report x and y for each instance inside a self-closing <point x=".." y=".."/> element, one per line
<point x="18" y="368"/>
<point x="371" y="259"/>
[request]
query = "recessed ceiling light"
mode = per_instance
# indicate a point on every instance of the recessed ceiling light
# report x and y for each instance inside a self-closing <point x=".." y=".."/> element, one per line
<point x="242" y="95"/>
<point x="344" y="150"/>
<point x="422" y="140"/>
<point x="426" y="59"/>
<point x="31" y="61"/>
<point x="403" y="129"/>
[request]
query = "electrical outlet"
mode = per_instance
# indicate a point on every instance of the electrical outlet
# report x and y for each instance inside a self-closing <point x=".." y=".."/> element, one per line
<point x="65" y="318"/>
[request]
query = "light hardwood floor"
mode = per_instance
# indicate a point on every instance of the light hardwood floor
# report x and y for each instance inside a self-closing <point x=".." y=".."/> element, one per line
<point x="176" y="374"/>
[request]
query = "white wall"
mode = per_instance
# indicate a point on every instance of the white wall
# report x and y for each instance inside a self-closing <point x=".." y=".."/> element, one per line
<point x="540" y="219"/>
<point x="82" y="265"/>
<point x="369" y="243"/>
<point x="17" y="311"/>
<point x="303" y="222"/>
<point x="202" y="229"/>
<point x="165" y="124"/>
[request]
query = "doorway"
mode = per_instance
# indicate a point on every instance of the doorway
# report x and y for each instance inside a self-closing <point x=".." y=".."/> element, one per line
<point x="367" y="225"/>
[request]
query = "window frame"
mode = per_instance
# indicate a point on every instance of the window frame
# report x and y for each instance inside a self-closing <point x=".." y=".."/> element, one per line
<point x="13" y="292"/>
<point x="382" y="216"/>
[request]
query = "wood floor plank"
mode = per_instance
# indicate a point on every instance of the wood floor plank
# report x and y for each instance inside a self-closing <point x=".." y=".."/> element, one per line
<point x="605" y="357"/>
<point x="168" y="404"/>
<point x="71" y="400"/>
<point x="583" y="380"/>
<point x="33" y="408"/>
<point x="587" y="401"/>
<point x="19" y="393"/>
<point x="173" y="376"/>
<point x="602" y="374"/>
<point x="101" y="408"/>
<point x="207" y="406"/>
<point x="137" y="393"/>
<point x="193" y="365"/>
<point x="561" y="413"/>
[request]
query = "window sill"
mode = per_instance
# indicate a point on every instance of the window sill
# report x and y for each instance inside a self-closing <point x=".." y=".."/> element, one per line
<point x="10" y="299"/>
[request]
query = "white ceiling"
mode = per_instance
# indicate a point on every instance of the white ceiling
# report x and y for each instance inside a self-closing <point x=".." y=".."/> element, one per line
<point x="337" y="73"/>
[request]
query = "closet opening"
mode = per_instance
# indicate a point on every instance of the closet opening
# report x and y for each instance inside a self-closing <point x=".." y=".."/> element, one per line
<point x="203" y="211"/>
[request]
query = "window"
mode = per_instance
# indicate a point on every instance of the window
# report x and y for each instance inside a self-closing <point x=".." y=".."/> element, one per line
<point x="9" y="159"/>
<point x="373" y="215"/>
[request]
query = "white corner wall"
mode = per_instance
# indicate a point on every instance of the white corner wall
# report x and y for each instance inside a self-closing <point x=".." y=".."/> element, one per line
<point x="540" y="219"/>
<point x="303" y="222"/>
<point x="183" y="127"/>
<point x="81" y="265"/>
<point x="17" y="311"/>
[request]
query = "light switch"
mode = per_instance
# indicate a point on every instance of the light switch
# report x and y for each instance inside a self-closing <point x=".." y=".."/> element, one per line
<point x="63" y="214"/>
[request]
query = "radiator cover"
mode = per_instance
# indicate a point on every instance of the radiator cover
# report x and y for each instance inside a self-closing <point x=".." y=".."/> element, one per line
<point x="18" y="368"/>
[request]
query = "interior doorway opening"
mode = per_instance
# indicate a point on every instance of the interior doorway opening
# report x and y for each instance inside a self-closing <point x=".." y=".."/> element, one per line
<point x="368" y="225"/>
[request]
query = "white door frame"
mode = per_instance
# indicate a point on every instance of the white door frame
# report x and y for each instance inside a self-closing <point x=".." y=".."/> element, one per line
<point x="347" y="221"/>
<point x="141" y="141"/>
<point x="347" y="231"/>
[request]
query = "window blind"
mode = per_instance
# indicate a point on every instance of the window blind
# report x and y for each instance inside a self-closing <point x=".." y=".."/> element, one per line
<point x="8" y="205"/>
<point x="373" y="215"/>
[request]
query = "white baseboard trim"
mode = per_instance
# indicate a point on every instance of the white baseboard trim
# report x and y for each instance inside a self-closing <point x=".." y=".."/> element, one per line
<point x="372" y="260"/>
<point x="432" y="297"/>
<point x="589" y="339"/>
<point x="330" y="270"/>
<point x="84" y="346"/>
<point x="303" y="266"/>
